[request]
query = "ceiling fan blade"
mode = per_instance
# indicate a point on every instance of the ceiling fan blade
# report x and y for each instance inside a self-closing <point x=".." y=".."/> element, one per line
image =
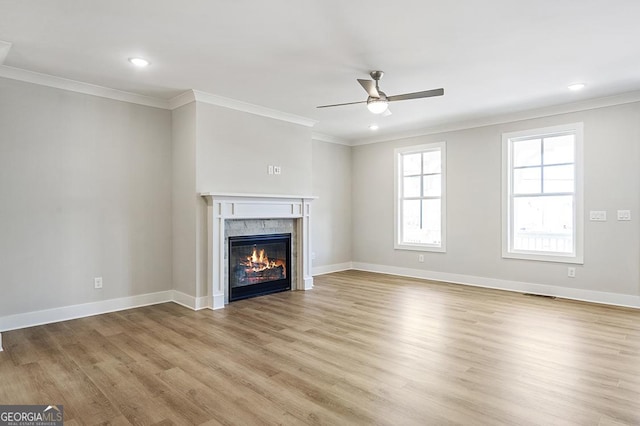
<point x="335" y="105"/>
<point x="416" y="95"/>
<point x="370" y="87"/>
<point x="386" y="113"/>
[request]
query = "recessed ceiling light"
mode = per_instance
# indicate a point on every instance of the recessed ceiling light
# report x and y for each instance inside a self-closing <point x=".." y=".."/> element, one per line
<point x="374" y="127"/>
<point x="139" y="62"/>
<point x="576" y="86"/>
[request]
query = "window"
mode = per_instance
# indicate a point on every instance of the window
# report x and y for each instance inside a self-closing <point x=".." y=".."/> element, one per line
<point x="542" y="194"/>
<point x="420" y="197"/>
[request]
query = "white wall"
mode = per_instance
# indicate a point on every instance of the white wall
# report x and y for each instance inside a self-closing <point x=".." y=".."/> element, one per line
<point x="85" y="191"/>
<point x="331" y="227"/>
<point x="612" y="182"/>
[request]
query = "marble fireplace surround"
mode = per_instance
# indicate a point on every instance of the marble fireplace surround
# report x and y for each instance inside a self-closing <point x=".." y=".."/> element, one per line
<point x="222" y="207"/>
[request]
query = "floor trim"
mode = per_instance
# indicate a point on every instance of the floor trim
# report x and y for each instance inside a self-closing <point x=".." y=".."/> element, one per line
<point x="328" y="269"/>
<point x="601" y="297"/>
<point x="191" y="302"/>
<point x="31" y="319"/>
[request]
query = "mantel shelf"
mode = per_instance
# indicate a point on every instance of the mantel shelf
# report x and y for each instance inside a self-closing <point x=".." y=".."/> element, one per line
<point x="253" y="196"/>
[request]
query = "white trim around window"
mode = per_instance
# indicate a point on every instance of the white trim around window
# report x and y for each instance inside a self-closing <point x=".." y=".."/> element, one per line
<point x="420" y="197"/>
<point x="542" y="194"/>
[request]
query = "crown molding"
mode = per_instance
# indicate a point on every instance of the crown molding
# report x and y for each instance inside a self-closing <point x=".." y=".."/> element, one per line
<point x="328" y="138"/>
<point x="210" y="99"/>
<point x="182" y="99"/>
<point x="5" y="46"/>
<point x="80" y="87"/>
<point x="624" y="98"/>
<point x="195" y="95"/>
<point x="119" y="95"/>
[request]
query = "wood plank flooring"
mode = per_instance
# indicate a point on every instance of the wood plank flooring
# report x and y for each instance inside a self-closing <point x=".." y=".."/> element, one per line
<point x="360" y="348"/>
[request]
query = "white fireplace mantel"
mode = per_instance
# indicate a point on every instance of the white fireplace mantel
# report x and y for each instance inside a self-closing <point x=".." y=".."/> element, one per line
<point x="222" y="207"/>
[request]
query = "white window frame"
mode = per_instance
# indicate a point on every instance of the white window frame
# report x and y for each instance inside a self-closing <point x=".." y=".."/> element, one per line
<point x="398" y="182"/>
<point x="507" y="197"/>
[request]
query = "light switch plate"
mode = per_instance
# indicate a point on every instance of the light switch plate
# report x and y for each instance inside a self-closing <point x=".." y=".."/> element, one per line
<point x="598" y="215"/>
<point x="624" y="214"/>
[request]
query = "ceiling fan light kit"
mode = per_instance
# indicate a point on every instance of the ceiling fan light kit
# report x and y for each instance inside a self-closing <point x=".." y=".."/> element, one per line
<point x="378" y="102"/>
<point x="377" y="106"/>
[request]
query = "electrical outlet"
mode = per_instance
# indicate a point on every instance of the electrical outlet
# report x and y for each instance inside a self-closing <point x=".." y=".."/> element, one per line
<point x="277" y="170"/>
<point x="421" y="258"/>
<point x="598" y="215"/>
<point x="97" y="282"/>
<point x="571" y="272"/>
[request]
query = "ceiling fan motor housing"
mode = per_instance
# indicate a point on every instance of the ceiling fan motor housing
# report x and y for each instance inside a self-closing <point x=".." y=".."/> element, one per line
<point x="376" y="75"/>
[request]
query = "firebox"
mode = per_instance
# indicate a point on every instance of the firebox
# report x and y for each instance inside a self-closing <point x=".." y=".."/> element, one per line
<point x="258" y="265"/>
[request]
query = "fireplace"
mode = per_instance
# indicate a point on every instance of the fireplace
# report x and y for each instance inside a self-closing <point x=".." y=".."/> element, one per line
<point x="259" y="265"/>
<point x="241" y="211"/>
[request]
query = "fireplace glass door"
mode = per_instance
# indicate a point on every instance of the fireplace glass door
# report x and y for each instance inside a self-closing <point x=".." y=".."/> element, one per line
<point x="258" y="265"/>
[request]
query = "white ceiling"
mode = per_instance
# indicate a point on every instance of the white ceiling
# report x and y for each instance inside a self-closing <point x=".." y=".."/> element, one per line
<point x="492" y="57"/>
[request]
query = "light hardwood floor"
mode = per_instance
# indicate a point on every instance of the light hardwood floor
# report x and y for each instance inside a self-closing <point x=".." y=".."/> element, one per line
<point x="360" y="348"/>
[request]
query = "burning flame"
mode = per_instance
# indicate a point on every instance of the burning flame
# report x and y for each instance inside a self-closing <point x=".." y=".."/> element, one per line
<point x="258" y="261"/>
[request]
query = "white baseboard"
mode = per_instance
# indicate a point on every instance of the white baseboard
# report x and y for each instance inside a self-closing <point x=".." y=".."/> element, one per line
<point x="217" y="301"/>
<point x="30" y="319"/>
<point x="328" y="269"/>
<point x="191" y="302"/>
<point x="204" y="302"/>
<point x="601" y="297"/>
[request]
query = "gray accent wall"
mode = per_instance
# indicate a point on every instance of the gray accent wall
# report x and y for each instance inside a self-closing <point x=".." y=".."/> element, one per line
<point x="184" y="198"/>
<point x="85" y="191"/>
<point x="218" y="149"/>
<point x="611" y="182"/>
<point x="331" y="227"/>
<point x="234" y="149"/>
<point x="93" y="187"/>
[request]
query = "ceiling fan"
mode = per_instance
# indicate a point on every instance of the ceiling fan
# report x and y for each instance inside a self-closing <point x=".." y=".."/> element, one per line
<point x="378" y="101"/>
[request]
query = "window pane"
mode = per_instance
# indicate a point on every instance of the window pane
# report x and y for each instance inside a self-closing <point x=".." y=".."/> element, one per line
<point x="543" y="224"/>
<point x="411" y="186"/>
<point x="421" y="227"/>
<point x="431" y="222"/>
<point x="527" y="181"/>
<point x="432" y="185"/>
<point x="411" y="221"/>
<point x="527" y="153"/>
<point x="411" y="164"/>
<point x="559" y="149"/>
<point x="432" y="162"/>
<point x="558" y="179"/>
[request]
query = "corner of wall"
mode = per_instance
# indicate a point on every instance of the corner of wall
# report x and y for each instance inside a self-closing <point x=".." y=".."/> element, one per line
<point x="183" y="203"/>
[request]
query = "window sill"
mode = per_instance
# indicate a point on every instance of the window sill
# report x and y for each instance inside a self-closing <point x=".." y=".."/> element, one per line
<point x="557" y="258"/>
<point x="421" y="247"/>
